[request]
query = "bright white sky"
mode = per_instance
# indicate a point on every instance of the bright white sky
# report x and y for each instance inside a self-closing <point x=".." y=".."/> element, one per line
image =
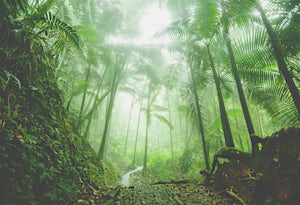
<point x="155" y="19"/>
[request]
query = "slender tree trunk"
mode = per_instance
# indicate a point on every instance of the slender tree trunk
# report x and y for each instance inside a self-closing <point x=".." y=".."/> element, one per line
<point x="115" y="83"/>
<point x="186" y="131"/>
<point x="108" y="117"/>
<point x="238" y="127"/>
<point x="214" y="102"/>
<point x="239" y="86"/>
<point x="179" y="117"/>
<point x="97" y="102"/>
<point x="137" y="133"/>
<point x="84" y="95"/>
<point x="118" y="69"/>
<point x="128" y="126"/>
<point x="171" y="136"/>
<point x="71" y="98"/>
<point x="277" y="49"/>
<point x="259" y="122"/>
<point x="199" y="114"/>
<point x="147" y="129"/>
<point x="224" y="118"/>
<point x="91" y="11"/>
<point x="69" y="103"/>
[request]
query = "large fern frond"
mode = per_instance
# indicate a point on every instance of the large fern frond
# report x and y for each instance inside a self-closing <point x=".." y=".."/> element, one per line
<point x="254" y="58"/>
<point x="187" y="160"/>
<point x="277" y="101"/>
<point x="251" y="49"/>
<point x="70" y="35"/>
<point x="205" y="19"/>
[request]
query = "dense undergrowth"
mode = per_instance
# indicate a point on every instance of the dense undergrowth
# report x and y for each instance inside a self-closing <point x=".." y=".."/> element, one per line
<point x="42" y="158"/>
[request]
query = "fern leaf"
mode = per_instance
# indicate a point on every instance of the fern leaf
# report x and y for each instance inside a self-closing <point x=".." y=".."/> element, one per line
<point x="69" y="33"/>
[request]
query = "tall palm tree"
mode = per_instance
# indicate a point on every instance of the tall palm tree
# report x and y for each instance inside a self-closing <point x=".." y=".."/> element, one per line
<point x="198" y="108"/>
<point x="224" y="118"/>
<point x="199" y="29"/>
<point x="279" y="56"/>
<point x="225" y="23"/>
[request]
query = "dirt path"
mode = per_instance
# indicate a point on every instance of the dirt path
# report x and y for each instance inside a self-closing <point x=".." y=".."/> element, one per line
<point x="186" y="193"/>
<point x="170" y="193"/>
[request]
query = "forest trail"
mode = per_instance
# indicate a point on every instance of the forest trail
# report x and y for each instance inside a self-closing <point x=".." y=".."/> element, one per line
<point x="173" y="193"/>
<point x="132" y="191"/>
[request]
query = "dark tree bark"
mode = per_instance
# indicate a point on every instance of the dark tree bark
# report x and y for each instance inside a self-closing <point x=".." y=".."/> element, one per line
<point x="224" y="118"/>
<point x="239" y="86"/>
<point x="199" y="115"/>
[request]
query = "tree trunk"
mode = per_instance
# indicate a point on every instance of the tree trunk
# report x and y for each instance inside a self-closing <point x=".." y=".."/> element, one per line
<point x="108" y="115"/>
<point x="224" y="118"/>
<point x="118" y="68"/>
<point x="84" y="96"/>
<point x="277" y="49"/>
<point x="199" y="115"/>
<point x="238" y="83"/>
<point x="89" y="115"/>
<point x="137" y="133"/>
<point x="147" y="129"/>
<point x="171" y="136"/>
<point x="128" y="126"/>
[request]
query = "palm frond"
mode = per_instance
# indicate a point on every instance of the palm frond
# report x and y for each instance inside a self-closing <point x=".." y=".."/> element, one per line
<point x="39" y="9"/>
<point x="87" y="33"/>
<point x="251" y="49"/>
<point x="159" y="108"/>
<point x="277" y="101"/>
<point x="164" y="120"/>
<point x="63" y="12"/>
<point x="178" y="5"/>
<point x="52" y="22"/>
<point x="187" y="160"/>
<point x="205" y="19"/>
<point x="178" y="29"/>
<point x="260" y="76"/>
<point x="240" y="12"/>
<point x="12" y="7"/>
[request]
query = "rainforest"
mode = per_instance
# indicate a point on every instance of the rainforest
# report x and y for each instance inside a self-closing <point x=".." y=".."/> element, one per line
<point x="150" y="102"/>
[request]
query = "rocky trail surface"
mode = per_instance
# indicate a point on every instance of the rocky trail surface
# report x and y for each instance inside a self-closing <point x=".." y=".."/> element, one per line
<point x="162" y="193"/>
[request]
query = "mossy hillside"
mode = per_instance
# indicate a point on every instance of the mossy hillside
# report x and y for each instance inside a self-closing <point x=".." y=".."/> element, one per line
<point x="42" y="158"/>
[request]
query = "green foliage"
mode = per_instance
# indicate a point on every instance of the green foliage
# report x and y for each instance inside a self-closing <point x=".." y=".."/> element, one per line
<point x="164" y="120"/>
<point x="42" y="160"/>
<point x="187" y="160"/>
<point x="69" y="34"/>
<point x="160" y="167"/>
<point x="277" y="101"/>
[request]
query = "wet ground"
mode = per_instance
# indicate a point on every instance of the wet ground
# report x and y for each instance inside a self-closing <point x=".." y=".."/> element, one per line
<point x="133" y="192"/>
<point x="188" y="193"/>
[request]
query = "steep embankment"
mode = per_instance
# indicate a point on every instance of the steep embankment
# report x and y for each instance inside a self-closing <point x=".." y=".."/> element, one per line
<point x="42" y="161"/>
